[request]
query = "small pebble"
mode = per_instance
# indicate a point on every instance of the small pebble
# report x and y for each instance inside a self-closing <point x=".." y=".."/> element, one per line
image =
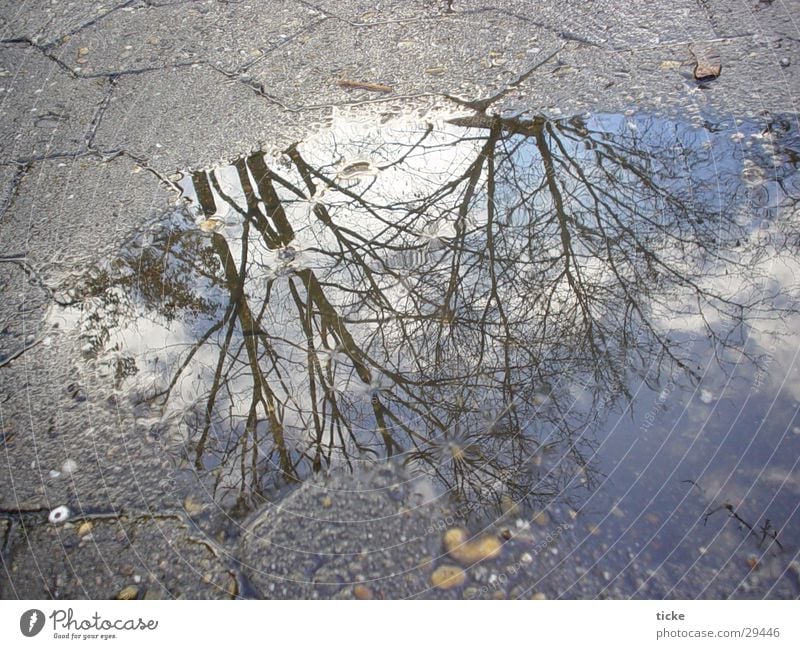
<point x="542" y="518"/>
<point x="360" y="591"/>
<point x="539" y="399"/>
<point x="785" y="62"/>
<point x="84" y="528"/>
<point x="707" y="71"/>
<point x="508" y="506"/>
<point x="59" y="515"/>
<point x="233" y="587"/>
<point x="563" y="70"/>
<point x="470" y="592"/>
<point x="446" y="577"/>
<point x="69" y="466"/>
<point x="468" y="551"/>
<point x="129" y="592"/>
<point x="538" y="596"/>
<point x="211" y="225"/>
<point x="191" y="506"/>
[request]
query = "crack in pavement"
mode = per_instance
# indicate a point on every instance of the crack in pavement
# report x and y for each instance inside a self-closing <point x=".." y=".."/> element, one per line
<point x="669" y="44"/>
<point x="289" y="39"/>
<point x="169" y="3"/>
<point x="562" y="34"/>
<point x="479" y="105"/>
<point x="32" y="519"/>
<point x="201" y="59"/>
<point x="98" y="75"/>
<point x="43" y="51"/>
<point x="91" y="131"/>
<point x="258" y="90"/>
<point x="482" y="105"/>
<point x="89" y="23"/>
<point x="11" y="190"/>
<point x="352" y="23"/>
<point x="115" y="74"/>
<point x="145" y="164"/>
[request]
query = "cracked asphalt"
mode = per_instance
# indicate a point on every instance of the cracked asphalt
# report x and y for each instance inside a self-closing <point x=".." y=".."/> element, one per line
<point x="102" y="102"/>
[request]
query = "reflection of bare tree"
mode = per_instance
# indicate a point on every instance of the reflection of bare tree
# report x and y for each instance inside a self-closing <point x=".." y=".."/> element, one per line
<point x="476" y="316"/>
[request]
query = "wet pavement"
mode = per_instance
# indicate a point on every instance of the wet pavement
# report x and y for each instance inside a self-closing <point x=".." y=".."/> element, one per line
<point x="284" y="316"/>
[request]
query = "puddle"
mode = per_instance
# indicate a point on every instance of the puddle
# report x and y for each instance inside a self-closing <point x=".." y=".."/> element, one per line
<point x="593" y="317"/>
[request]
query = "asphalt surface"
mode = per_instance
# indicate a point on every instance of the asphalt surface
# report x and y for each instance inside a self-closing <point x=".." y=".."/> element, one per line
<point x="102" y="102"/>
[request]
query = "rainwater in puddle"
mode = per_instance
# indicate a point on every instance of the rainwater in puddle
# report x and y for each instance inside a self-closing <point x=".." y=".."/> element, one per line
<point x="589" y="324"/>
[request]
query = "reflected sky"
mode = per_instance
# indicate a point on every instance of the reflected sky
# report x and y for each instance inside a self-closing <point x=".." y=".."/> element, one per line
<point x="592" y="315"/>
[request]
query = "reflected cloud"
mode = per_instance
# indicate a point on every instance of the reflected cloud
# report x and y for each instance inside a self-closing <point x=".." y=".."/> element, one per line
<point x="472" y="295"/>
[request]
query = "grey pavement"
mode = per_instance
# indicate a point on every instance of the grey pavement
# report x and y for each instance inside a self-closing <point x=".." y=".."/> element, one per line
<point x="102" y="102"/>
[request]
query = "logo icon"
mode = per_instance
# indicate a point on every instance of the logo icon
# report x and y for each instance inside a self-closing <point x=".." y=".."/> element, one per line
<point x="31" y="622"/>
